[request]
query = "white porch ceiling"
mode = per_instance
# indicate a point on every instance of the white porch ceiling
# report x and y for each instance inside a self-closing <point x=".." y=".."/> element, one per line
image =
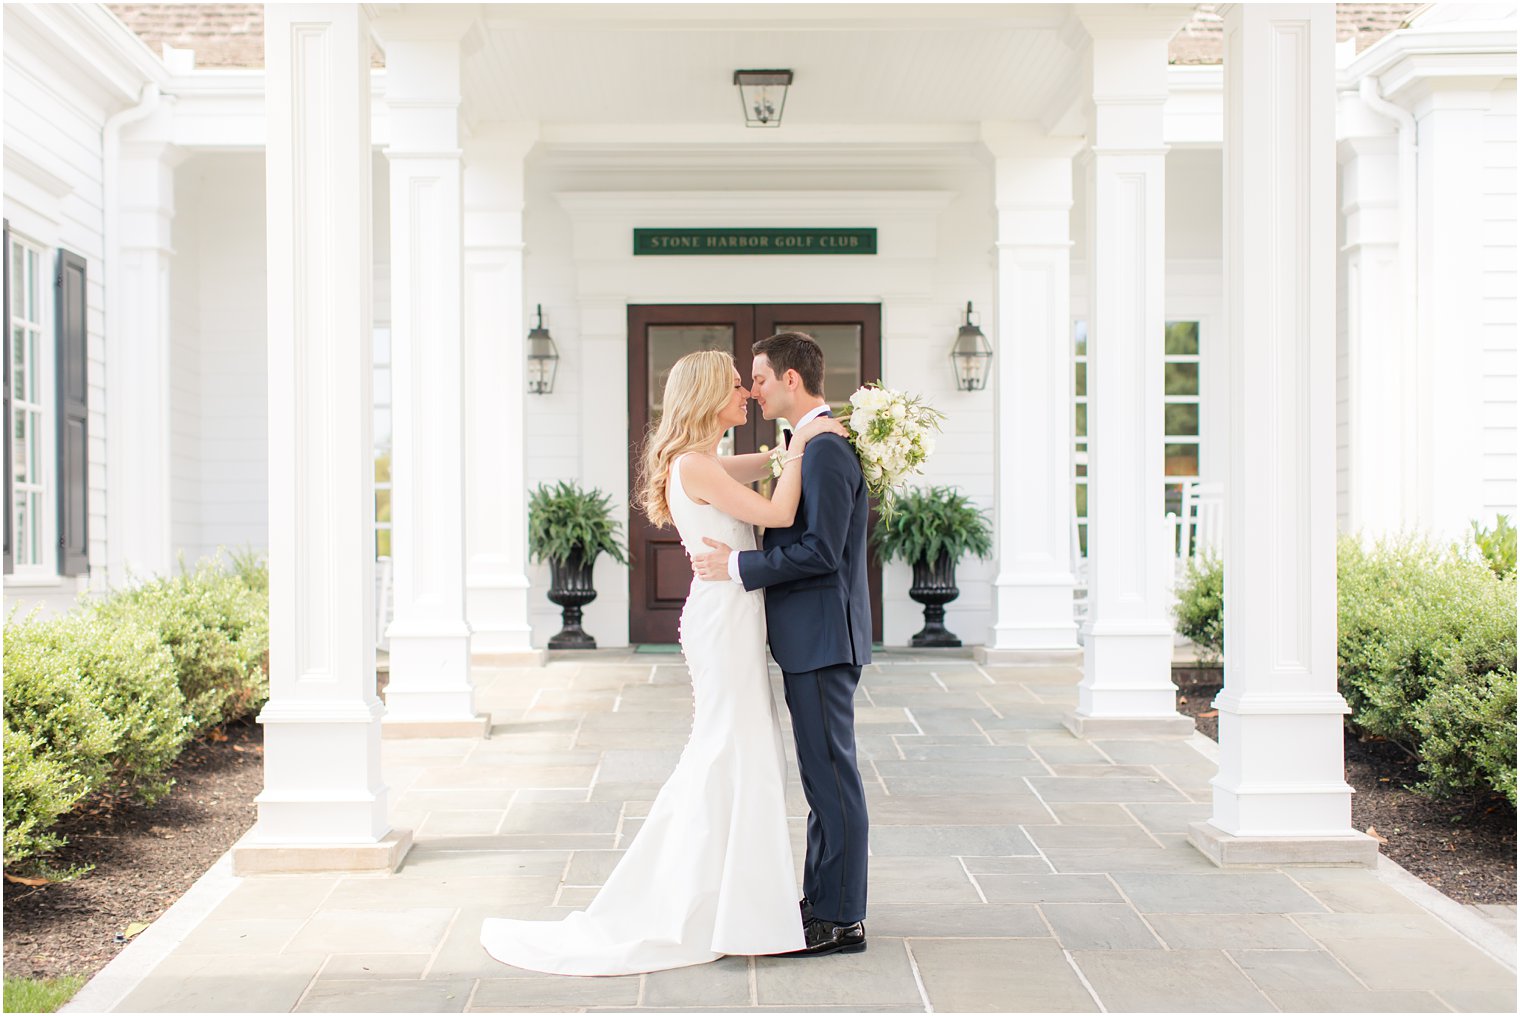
<point x="855" y="64"/>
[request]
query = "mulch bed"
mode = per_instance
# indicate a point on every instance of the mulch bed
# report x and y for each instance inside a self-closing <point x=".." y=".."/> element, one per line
<point x="145" y="858"/>
<point x="1464" y="847"/>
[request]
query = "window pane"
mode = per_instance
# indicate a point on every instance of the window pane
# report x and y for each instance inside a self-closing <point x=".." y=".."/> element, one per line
<point x="1080" y="331"/>
<point x="1181" y="460"/>
<point x="382" y="543"/>
<point x="382" y="429"/>
<point x="382" y="347"/>
<point x="1174" y="498"/>
<point x="1081" y="500"/>
<point x="34" y="447"/>
<point x="383" y="468"/>
<point x="18" y="445"/>
<point x="382" y="506"/>
<point x="668" y="343"/>
<point x="1182" y="379"/>
<point x="1182" y="418"/>
<point x="22" y="520"/>
<point x="841" y="357"/>
<point x="1082" y="537"/>
<point x="1081" y="419"/>
<point x="1081" y="380"/>
<point x="1182" y="338"/>
<point x="18" y="363"/>
<point x="18" y="279"/>
<point x="382" y="386"/>
<point x="35" y="556"/>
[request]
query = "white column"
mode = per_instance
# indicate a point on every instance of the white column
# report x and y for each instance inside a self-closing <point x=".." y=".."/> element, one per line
<point x="1032" y="397"/>
<point x="323" y="804"/>
<point x="137" y="359"/>
<point x="1280" y="795"/>
<point x="496" y="425"/>
<point x="1126" y="686"/>
<point x="430" y="693"/>
<point x="1380" y="379"/>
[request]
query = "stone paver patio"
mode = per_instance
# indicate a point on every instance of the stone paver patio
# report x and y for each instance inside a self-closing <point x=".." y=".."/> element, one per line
<point x="1014" y="868"/>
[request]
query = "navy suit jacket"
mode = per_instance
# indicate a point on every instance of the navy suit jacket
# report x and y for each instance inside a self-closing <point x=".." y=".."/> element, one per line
<point x="817" y="602"/>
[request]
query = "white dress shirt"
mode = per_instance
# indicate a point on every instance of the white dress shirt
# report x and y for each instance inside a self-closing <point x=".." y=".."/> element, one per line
<point x="807" y="418"/>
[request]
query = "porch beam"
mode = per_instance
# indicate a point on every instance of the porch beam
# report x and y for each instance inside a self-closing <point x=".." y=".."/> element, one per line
<point x="323" y="806"/>
<point x="430" y="693"/>
<point x="1280" y="796"/>
<point x="1126" y="687"/>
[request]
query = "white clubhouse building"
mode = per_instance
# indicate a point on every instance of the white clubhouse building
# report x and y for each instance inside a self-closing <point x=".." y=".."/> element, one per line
<point x="296" y="290"/>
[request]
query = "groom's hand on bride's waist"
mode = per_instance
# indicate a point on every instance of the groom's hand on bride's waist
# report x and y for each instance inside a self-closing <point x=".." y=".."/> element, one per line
<point x="712" y="566"/>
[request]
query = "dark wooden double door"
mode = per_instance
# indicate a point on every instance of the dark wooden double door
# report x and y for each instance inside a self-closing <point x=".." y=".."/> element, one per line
<point x="850" y="335"/>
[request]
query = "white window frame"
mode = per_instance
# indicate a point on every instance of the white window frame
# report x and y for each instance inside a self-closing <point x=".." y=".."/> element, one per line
<point x="382" y="362"/>
<point x="1196" y="399"/>
<point x="44" y="570"/>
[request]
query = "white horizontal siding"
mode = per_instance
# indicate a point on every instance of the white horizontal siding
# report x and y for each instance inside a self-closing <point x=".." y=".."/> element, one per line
<point x="1500" y="383"/>
<point x="50" y="121"/>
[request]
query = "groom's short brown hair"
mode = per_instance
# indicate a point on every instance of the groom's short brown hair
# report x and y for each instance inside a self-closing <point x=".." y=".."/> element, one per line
<point x="797" y="351"/>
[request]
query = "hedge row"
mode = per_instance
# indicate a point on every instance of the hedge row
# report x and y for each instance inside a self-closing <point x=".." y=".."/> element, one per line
<point x="102" y="700"/>
<point x="1426" y="652"/>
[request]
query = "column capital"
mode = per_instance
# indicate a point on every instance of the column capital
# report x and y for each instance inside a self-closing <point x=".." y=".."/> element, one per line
<point x="1022" y="139"/>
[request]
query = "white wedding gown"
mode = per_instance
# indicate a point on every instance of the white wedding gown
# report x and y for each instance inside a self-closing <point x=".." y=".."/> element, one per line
<point x="710" y="872"/>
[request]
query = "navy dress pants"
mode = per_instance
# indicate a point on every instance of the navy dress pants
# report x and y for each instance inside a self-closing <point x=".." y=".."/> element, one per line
<point x="822" y="704"/>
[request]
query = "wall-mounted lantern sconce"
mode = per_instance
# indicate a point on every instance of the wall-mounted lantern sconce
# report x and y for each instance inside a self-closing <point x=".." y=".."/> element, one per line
<point x="543" y="358"/>
<point x="763" y="96"/>
<point x="971" y="354"/>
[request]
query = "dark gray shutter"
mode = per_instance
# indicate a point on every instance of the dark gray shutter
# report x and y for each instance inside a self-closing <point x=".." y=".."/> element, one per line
<point x="10" y="496"/>
<point x="73" y="417"/>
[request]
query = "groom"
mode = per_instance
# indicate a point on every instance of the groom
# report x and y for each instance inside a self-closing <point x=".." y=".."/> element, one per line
<point x="818" y="614"/>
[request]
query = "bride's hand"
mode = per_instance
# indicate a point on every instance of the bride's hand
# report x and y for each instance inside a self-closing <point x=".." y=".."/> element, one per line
<point x="819" y="425"/>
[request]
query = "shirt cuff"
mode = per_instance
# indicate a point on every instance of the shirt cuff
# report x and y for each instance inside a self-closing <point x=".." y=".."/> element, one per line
<point x="733" y="567"/>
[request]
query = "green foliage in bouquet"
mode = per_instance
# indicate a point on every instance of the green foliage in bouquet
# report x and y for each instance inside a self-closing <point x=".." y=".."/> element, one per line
<point x="890" y="432"/>
<point x="564" y="517"/>
<point x="931" y="521"/>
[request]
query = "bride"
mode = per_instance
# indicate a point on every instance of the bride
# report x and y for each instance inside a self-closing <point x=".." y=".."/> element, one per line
<point x="710" y="872"/>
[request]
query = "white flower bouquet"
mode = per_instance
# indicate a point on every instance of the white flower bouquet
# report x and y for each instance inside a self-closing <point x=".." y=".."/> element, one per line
<point x="891" y="433"/>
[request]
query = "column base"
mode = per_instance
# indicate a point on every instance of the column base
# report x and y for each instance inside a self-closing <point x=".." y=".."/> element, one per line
<point x="1175" y="725"/>
<point x="404" y="728"/>
<point x="526" y="658"/>
<point x="991" y="657"/>
<point x="1354" y="850"/>
<point x="250" y="857"/>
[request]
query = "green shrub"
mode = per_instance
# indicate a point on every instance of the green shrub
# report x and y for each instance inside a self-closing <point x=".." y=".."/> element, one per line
<point x="90" y="707"/>
<point x="216" y="626"/>
<point x="1497" y="545"/>
<point x="1426" y="654"/>
<point x="1200" y="606"/>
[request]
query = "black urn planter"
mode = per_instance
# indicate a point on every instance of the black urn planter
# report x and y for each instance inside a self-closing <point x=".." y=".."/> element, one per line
<point x="570" y="589"/>
<point x="934" y="586"/>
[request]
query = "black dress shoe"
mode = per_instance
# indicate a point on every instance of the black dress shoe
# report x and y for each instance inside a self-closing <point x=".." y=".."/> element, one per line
<point x="825" y="937"/>
<point x="806" y="906"/>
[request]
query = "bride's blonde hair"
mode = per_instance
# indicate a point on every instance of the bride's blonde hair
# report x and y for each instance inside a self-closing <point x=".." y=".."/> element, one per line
<point x="699" y="386"/>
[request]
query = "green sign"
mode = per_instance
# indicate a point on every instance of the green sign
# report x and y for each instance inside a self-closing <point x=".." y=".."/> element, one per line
<point x="754" y="241"/>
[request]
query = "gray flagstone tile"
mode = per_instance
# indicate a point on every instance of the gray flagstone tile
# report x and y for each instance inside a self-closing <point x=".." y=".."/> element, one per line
<point x="433" y="861"/>
<point x="948" y="841"/>
<point x="1288" y="969"/>
<point x="1244" y="931"/>
<point x="375" y="966"/>
<point x="1362" y="1000"/>
<point x="1116" y="789"/>
<point x="561" y="818"/>
<point x="1099" y="926"/>
<point x="722" y="982"/>
<point x="1355" y="927"/>
<point x="1222" y="893"/>
<point x="1082" y="813"/>
<point x="591" y="867"/>
<point x="919" y="880"/>
<point x="363" y="995"/>
<point x="939" y="920"/>
<point x="1152" y="752"/>
<point x="1359" y="897"/>
<point x="879" y="976"/>
<point x="1093" y="837"/>
<point x="1168" y="817"/>
<point x="1015" y="807"/>
<point x="1067" y="753"/>
<point x="244" y="936"/>
<point x="1007" y="865"/>
<point x="1479" y="1000"/>
<point x="999" y="975"/>
<point x="1199" y="980"/>
<point x="409" y="930"/>
<point x="275" y="896"/>
<point x="223" y="983"/>
<point x="539" y="993"/>
<point x="1433" y="964"/>
<point x="460" y="823"/>
<point x="1048" y="889"/>
<point x="1170" y="860"/>
<point x="981" y="752"/>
